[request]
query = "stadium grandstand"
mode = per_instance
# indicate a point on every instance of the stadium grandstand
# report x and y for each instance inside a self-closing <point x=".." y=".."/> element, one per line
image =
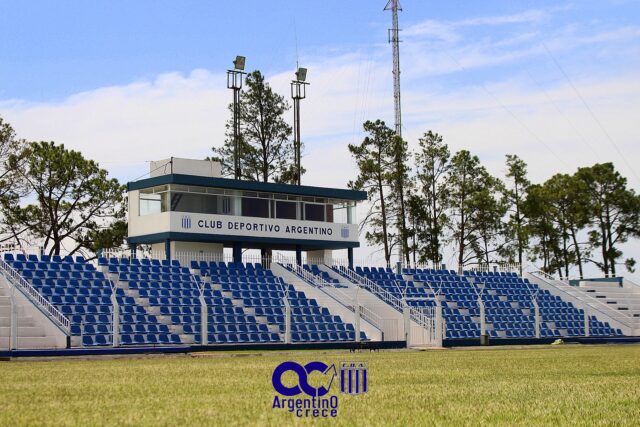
<point x="207" y="268"/>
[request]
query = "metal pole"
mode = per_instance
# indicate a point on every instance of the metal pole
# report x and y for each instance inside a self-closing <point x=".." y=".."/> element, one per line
<point x="236" y="133"/>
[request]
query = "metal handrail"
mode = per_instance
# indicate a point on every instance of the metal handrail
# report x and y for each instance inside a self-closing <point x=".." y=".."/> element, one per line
<point x="366" y="313"/>
<point x="28" y="290"/>
<point x="306" y="275"/>
<point x="385" y="295"/>
<point x="594" y="303"/>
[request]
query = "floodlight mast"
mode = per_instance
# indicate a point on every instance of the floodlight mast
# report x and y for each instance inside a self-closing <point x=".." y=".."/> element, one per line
<point x="234" y="82"/>
<point x="394" y="38"/>
<point x="298" y="92"/>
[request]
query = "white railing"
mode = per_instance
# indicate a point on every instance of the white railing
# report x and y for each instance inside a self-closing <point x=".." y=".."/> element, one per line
<point x="25" y="287"/>
<point x="308" y="276"/>
<point x="366" y="313"/>
<point x="593" y="304"/>
<point x="185" y="257"/>
<point x="372" y="286"/>
<point x="383" y="294"/>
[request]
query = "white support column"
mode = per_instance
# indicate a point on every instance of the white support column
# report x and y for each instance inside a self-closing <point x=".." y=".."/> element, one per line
<point x="440" y="326"/>
<point x="13" y="321"/>
<point x="587" y="331"/>
<point x="483" y="323"/>
<point x="356" y="308"/>
<point x="536" y="318"/>
<point x="116" y="318"/>
<point x="287" y="320"/>
<point x="204" y="320"/>
<point x="407" y="324"/>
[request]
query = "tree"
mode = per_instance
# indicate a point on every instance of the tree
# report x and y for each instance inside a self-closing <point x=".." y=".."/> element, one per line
<point x="489" y="209"/>
<point x="11" y="184"/>
<point x="71" y="197"/>
<point x="265" y="150"/>
<point x="374" y="160"/>
<point x="614" y="212"/>
<point x="515" y="194"/>
<point x="429" y="206"/>
<point x="568" y="201"/>
<point x="400" y="185"/>
<point x="540" y="214"/>
<point x="467" y="179"/>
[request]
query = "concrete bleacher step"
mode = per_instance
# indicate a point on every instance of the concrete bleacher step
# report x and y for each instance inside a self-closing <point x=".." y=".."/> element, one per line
<point x="22" y="321"/>
<point x="30" y="342"/>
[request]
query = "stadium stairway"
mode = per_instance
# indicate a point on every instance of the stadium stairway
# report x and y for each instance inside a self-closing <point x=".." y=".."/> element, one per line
<point x="335" y="295"/>
<point x="390" y="306"/>
<point x="34" y="329"/>
<point x="618" y="306"/>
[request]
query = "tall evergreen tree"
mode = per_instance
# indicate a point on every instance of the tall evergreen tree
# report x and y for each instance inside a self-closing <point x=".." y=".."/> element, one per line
<point x="540" y="214"/>
<point x="266" y="151"/>
<point x="400" y="185"/>
<point x="614" y="212"/>
<point x="568" y="200"/>
<point x="375" y="162"/>
<point x="467" y="180"/>
<point x="430" y="204"/>
<point x="515" y="193"/>
<point x="490" y="208"/>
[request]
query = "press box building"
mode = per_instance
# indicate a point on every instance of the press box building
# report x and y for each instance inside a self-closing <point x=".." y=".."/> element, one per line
<point x="186" y="206"/>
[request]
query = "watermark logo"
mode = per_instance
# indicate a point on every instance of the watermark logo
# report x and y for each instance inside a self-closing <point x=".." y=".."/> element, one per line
<point x="344" y="232"/>
<point x="316" y="401"/>
<point x="353" y="377"/>
<point x="186" y="222"/>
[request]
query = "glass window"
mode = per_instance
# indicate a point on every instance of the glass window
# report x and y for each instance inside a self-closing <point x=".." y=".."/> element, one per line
<point x="286" y="210"/>
<point x="313" y="212"/>
<point x="255" y="207"/>
<point x="150" y="203"/>
<point x="196" y="203"/>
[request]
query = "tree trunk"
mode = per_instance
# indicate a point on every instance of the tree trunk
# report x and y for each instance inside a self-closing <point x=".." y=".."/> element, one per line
<point x="578" y="253"/>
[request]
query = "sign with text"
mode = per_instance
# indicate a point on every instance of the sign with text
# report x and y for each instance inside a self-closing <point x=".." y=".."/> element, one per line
<point x="262" y="227"/>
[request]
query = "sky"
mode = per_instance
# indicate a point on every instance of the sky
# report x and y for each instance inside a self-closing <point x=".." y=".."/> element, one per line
<point x="129" y="82"/>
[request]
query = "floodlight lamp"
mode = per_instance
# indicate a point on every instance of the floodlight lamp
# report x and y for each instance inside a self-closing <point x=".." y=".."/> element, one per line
<point x="238" y="64"/>
<point x="301" y="74"/>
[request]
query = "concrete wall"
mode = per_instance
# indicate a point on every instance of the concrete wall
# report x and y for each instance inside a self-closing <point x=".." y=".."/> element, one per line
<point x="177" y="165"/>
<point x="35" y="329"/>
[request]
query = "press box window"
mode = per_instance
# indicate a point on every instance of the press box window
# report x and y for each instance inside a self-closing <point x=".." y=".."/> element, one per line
<point x="286" y="210"/>
<point x="255" y="207"/>
<point x="150" y="203"/>
<point x="313" y="212"/>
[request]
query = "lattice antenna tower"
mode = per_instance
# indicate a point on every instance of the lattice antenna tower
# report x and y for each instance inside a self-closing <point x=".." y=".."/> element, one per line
<point x="394" y="39"/>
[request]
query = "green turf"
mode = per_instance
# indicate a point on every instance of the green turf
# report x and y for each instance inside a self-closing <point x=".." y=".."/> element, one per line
<point x="587" y="385"/>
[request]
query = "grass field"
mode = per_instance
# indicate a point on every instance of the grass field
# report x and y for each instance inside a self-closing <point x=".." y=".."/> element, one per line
<point x="588" y="385"/>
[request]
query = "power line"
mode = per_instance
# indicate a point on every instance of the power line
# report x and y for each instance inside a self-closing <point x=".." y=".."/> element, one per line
<point x="512" y="114"/>
<point x="584" y="102"/>
<point x="564" y="116"/>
